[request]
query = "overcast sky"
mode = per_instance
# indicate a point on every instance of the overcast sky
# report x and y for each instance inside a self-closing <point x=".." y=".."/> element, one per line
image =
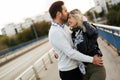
<point x="17" y="10"/>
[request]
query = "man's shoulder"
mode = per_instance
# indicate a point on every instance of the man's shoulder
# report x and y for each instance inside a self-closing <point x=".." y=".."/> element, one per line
<point x="55" y="31"/>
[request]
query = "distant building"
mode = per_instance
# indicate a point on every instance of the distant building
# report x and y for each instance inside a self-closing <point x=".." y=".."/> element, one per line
<point x="112" y="2"/>
<point x="100" y="5"/>
<point x="19" y="27"/>
<point x="27" y="23"/>
<point x="9" y="29"/>
<point x="45" y="17"/>
<point x="3" y="31"/>
<point x="12" y="29"/>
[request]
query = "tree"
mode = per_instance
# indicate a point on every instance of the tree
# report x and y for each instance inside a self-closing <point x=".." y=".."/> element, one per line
<point x="102" y="13"/>
<point x="25" y="36"/>
<point x="118" y="18"/>
<point x="42" y="28"/>
<point x="113" y="17"/>
<point x="3" y="42"/>
<point x="90" y="16"/>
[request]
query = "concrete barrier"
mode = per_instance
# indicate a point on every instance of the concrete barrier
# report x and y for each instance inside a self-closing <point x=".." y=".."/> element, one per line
<point x="8" y="57"/>
<point x="33" y="71"/>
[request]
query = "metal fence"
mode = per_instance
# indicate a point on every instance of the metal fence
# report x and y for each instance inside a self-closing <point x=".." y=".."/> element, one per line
<point x="33" y="71"/>
<point x="111" y="34"/>
<point x="12" y="49"/>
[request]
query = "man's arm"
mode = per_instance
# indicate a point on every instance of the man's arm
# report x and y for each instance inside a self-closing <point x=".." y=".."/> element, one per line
<point x="59" y="41"/>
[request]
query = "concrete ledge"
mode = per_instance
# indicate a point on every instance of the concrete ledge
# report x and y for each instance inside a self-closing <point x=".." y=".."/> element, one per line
<point x="7" y="58"/>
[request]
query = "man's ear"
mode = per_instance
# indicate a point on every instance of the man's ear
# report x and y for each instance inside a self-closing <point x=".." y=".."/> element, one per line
<point x="58" y="13"/>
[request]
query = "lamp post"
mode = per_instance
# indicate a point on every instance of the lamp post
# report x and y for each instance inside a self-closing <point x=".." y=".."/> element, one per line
<point x="94" y="17"/>
<point x="93" y="13"/>
<point x="34" y="30"/>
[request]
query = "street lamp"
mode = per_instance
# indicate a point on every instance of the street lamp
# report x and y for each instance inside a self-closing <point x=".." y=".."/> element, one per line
<point x="94" y="17"/>
<point x="93" y="13"/>
<point x="34" y="30"/>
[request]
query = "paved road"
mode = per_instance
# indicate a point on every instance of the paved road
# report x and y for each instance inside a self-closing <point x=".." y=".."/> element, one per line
<point x="14" y="68"/>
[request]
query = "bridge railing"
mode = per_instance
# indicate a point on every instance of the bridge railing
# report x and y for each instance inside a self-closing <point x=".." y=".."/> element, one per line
<point x="111" y="34"/>
<point x="15" y="48"/>
<point x="10" y="56"/>
<point x="33" y="71"/>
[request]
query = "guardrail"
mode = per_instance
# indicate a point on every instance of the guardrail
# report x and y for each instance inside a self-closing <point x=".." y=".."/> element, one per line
<point x="33" y="71"/>
<point x="111" y="34"/>
<point x="12" y="49"/>
<point x="8" y="57"/>
<point x="110" y="29"/>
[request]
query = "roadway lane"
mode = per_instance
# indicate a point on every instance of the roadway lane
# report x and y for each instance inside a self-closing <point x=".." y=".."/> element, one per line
<point x="14" y="68"/>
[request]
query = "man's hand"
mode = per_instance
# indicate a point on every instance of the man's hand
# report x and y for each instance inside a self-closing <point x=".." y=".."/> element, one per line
<point x="97" y="60"/>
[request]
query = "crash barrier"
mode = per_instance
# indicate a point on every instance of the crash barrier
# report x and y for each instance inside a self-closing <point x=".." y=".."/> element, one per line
<point x="33" y="71"/>
<point x="111" y="34"/>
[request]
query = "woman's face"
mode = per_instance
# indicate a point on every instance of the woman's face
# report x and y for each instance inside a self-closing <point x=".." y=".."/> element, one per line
<point x="72" y="21"/>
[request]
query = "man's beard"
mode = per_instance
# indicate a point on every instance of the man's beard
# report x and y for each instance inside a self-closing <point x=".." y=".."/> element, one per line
<point x="64" y="19"/>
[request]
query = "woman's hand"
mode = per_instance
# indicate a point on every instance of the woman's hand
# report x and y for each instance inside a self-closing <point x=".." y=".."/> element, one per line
<point x="55" y="54"/>
<point x="84" y="18"/>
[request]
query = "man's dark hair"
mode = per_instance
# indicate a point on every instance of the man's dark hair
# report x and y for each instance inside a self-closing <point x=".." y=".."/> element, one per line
<point x="55" y="7"/>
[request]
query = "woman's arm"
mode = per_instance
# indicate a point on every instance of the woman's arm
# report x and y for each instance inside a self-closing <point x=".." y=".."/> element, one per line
<point x="90" y="30"/>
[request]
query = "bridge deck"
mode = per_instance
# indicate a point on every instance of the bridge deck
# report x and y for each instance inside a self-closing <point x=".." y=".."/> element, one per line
<point x="111" y="62"/>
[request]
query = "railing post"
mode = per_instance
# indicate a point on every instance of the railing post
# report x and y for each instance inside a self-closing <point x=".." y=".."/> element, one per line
<point x="118" y="52"/>
<point x="50" y="58"/>
<point x="6" y="57"/>
<point x="36" y="73"/>
<point x="20" y="78"/>
<point x="44" y="64"/>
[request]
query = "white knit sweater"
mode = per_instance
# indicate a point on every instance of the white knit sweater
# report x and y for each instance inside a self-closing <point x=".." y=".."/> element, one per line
<point x="60" y="39"/>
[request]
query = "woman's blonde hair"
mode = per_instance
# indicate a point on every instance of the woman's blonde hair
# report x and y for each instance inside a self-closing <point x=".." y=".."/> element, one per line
<point x="79" y="18"/>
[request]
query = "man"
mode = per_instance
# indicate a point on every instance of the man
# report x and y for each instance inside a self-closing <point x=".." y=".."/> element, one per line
<point x="60" y="39"/>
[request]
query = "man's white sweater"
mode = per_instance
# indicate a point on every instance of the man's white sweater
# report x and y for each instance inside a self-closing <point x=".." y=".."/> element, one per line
<point x="60" y="39"/>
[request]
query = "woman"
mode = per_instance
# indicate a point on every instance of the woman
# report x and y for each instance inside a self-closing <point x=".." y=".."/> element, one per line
<point x="84" y="37"/>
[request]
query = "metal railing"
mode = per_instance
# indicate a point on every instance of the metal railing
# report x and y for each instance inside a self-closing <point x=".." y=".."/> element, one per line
<point x="11" y="56"/>
<point x="111" y="34"/>
<point x="33" y="71"/>
<point x="111" y="29"/>
<point x="12" y="49"/>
